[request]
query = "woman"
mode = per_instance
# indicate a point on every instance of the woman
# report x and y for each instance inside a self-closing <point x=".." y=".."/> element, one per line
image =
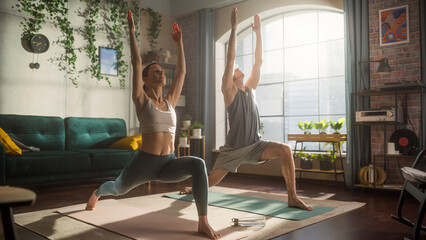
<point x="155" y="159"/>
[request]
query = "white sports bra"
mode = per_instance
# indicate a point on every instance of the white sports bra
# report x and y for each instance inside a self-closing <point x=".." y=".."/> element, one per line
<point x="152" y="119"/>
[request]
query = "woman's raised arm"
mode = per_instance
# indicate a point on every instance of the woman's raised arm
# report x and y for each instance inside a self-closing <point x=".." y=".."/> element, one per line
<point x="138" y="94"/>
<point x="177" y="84"/>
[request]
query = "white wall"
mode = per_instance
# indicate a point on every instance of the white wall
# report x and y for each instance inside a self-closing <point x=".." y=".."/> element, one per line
<point x="48" y="90"/>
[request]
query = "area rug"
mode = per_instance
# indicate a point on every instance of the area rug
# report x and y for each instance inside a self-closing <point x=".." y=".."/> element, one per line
<point x="261" y="206"/>
<point x="157" y="217"/>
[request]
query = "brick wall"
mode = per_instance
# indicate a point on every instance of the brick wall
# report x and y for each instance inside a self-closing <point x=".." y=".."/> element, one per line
<point x="404" y="59"/>
<point x="189" y="26"/>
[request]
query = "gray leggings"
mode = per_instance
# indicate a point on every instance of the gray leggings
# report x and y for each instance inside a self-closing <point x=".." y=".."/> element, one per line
<point x="145" y="167"/>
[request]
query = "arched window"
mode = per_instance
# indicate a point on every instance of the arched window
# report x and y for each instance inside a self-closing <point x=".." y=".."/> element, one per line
<point x="303" y="71"/>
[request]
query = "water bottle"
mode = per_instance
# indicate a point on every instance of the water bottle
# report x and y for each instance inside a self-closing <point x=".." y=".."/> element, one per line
<point x="259" y="221"/>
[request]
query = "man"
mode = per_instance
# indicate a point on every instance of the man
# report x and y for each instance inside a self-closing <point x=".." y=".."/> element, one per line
<point x="243" y="142"/>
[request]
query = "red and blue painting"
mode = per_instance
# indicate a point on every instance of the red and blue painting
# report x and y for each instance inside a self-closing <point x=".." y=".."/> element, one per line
<point x="394" y="25"/>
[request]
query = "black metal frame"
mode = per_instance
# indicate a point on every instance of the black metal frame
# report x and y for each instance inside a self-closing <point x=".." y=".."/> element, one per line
<point x="419" y="193"/>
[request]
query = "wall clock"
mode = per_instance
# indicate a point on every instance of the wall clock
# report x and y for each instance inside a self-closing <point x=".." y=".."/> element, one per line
<point x="39" y="43"/>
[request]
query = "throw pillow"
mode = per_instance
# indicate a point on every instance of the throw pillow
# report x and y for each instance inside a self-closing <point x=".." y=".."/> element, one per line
<point x="129" y="142"/>
<point x="9" y="146"/>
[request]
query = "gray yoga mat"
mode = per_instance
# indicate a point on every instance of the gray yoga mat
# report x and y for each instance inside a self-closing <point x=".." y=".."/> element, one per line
<point x="262" y="206"/>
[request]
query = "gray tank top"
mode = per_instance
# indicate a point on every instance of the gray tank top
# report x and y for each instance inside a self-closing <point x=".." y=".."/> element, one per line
<point x="244" y="121"/>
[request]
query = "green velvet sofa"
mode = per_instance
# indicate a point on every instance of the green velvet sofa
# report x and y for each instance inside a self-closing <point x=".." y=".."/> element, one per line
<point x="73" y="148"/>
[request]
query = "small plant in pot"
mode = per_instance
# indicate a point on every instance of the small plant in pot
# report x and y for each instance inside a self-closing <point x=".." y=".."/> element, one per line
<point x="305" y="126"/>
<point x="196" y="129"/>
<point x="183" y="138"/>
<point x="326" y="161"/>
<point x="186" y="121"/>
<point x="336" y="126"/>
<point x="321" y="126"/>
<point x="305" y="159"/>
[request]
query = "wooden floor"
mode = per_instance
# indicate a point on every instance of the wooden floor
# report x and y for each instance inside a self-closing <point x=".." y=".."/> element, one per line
<point x="373" y="221"/>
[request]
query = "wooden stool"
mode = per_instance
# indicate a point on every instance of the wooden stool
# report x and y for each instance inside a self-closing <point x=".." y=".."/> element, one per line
<point x="13" y="197"/>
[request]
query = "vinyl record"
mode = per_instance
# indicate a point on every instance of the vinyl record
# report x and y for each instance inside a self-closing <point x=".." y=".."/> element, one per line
<point x="404" y="140"/>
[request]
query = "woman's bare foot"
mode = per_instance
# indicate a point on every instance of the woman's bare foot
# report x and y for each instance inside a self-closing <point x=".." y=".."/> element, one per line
<point x="205" y="228"/>
<point x="186" y="190"/>
<point x="91" y="204"/>
<point x="295" y="202"/>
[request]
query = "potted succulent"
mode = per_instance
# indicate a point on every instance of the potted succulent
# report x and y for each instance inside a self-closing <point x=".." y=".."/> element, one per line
<point x="183" y="138"/>
<point x="305" y="159"/>
<point x="305" y="126"/>
<point x="336" y="126"/>
<point x="321" y="126"/>
<point x="196" y="129"/>
<point x="186" y="121"/>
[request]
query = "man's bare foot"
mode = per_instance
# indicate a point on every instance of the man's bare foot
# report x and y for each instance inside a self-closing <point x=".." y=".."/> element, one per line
<point x="91" y="204"/>
<point x="186" y="190"/>
<point x="295" y="202"/>
<point x="205" y="228"/>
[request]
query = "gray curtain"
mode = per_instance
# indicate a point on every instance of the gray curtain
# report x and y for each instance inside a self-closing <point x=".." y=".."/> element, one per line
<point x="423" y="68"/>
<point x="206" y="78"/>
<point x="356" y="50"/>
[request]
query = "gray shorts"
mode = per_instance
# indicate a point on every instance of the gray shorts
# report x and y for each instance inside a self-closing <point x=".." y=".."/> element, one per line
<point x="231" y="159"/>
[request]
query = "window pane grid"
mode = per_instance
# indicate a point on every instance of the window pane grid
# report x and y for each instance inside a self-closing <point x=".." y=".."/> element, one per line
<point x="309" y="70"/>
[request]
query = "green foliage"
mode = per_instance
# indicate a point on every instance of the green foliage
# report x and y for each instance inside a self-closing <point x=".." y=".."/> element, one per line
<point x="57" y="11"/>
<point x="115" y="24"/>
<point x="304" y="156"/>
<point x="261" y="129"/>
<point x="154" y="28"/>
<point x="305" y="125"/>
<point x="321" y="126"/>
<point x="187" y="117"/>
<point x="196" y="125"/>
<point x="336" y="126"/>
<point x="183" y="134"/>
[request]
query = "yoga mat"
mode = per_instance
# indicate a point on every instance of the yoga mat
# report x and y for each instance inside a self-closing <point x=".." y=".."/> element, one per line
<point x="262" y="206"/>
<point x="157" y="217"/>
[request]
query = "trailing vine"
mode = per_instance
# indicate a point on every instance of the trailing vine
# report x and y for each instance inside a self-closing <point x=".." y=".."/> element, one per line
<point x="33" y="24"/>
<point x="154" y="28"/>
<point x="91" y="13"/>
<point x="58" y="12"/>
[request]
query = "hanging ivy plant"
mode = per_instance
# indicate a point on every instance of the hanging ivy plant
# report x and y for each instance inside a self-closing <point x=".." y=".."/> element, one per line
<point x="90" y="15"/>
<point x="154" y="28"/>
<point x="58" y="12"/>
<point x="33" y="24"/>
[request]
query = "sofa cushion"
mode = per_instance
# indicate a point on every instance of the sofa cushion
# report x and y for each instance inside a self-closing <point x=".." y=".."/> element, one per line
<point x="9" y="146"/>
<point x="86" y="133"/>
<point x="46" y="162"/>
<point x="109" y="159"/>
<point x="46" y="133"/>
<point x="130" y="142"/>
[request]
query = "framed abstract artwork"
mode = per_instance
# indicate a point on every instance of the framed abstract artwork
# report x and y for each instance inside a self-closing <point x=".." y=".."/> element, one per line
<point x="108" y="61"/>
<point x="394" y="26"/>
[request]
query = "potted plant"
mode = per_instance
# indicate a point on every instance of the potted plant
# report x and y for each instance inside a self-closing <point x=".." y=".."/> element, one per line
<point x="326" y="161"/>
<point x="336" y="126"/>
<point x="305" y="159"/>
<point x="183" y="138"/>
<point x="186" y="121"/>
<point x="321" y="126"/>
<point x="305" y="126"/>
<point x="196" y="129"/>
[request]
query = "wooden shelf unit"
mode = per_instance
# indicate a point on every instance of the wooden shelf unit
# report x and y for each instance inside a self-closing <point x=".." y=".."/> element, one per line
<point x="332" y="138"/>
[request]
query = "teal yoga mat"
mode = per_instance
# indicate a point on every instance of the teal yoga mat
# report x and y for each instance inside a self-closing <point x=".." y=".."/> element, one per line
<point x="262" y="206"/>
